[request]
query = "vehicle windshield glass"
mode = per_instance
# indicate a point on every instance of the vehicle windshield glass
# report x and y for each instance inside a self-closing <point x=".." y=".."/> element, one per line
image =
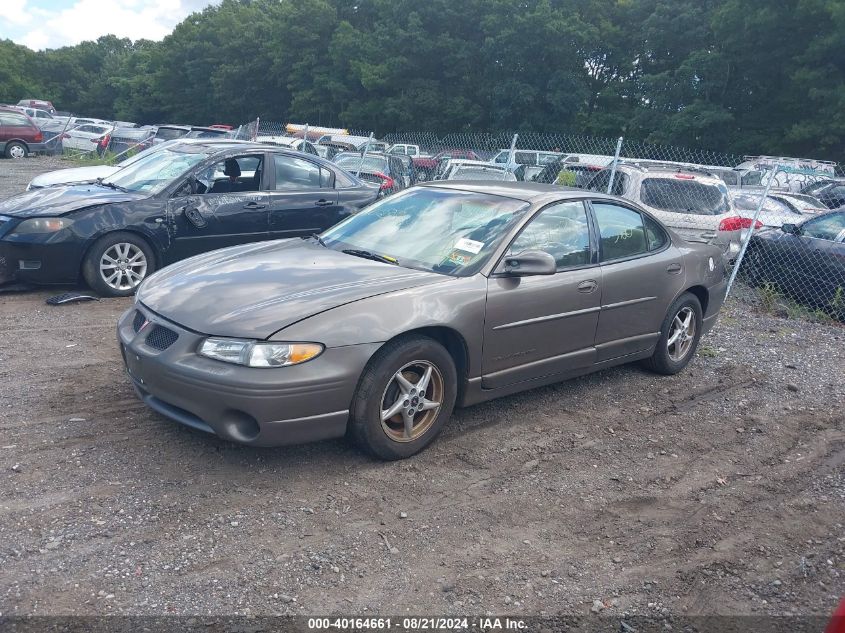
<point x="144" y="153"/>
<point x="350" y="162"/>
<point x="447" y="232"/>
<point x="685" y="196"/>
<point x="157" y="170"/>
<point x="479" y="173"/>
<point x="168" y="133"/>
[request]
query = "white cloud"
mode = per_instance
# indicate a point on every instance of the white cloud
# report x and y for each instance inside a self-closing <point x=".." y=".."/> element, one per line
<point x="90" y="19"/>
<point x="16" y="13"/>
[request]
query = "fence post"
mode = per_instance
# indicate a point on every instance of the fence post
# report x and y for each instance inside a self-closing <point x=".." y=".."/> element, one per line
<point x="615" y="162"/>
<point x="363" y="154"/>
<point x="747" y="239"/>
<point x="305" y="133"/>
<point x="512" y="152"/>
<point x="257" y="125"/>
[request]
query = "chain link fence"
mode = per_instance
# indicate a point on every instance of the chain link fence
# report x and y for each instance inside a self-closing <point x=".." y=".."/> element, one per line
<point x="775" y="217"/>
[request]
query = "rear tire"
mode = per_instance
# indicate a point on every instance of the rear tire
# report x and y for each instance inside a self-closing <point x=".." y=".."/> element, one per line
<point x="117" y="263"/>
<point x="16" y="149"/>
<point x="679" y="336"/>
<point x="394" y="381"/>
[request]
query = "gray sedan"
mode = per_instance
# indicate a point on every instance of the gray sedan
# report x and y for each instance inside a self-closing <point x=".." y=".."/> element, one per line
<point x="446" y="294"/>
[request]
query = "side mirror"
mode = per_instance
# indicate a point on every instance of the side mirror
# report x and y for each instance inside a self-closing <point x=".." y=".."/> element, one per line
<point x="527" y="264"/>
<point x="791" y="229"/>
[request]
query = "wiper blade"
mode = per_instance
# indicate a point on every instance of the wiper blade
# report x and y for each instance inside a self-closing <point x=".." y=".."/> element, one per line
<point x="315" y="237"/>
<point x="368" y="255"/>
<point x="110" y="185"/>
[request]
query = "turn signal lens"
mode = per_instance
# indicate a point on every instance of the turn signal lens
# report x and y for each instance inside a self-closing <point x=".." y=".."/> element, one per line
<point x="259" y="353"/>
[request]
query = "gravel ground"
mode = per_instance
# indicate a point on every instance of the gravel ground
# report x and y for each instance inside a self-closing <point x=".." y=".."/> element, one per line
<point x="16" y="174"/>
<point x="717" y="491"/>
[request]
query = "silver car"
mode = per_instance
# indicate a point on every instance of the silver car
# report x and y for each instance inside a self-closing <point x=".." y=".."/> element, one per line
<point x="443" y="295"/>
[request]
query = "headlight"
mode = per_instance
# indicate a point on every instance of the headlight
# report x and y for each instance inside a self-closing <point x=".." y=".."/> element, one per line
<point x="42" y="225"/>
<point x="259" y="353"/>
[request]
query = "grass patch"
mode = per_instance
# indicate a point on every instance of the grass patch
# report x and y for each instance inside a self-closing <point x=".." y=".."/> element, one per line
<point x="707" y="351"/>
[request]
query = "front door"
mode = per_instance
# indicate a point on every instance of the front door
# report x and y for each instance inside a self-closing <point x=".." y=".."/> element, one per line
<point x="544" y="325"/>
<point x="232" y="210"/>
<point x="302" y="198"/>
<point x="641" y="274"/>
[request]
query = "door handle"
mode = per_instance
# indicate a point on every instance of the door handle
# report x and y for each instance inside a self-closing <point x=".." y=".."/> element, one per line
<point x="673" y="269"/>
<point x="254" y="205"/>
<point x="587" y="286"/>
<point x="322" y="202"/>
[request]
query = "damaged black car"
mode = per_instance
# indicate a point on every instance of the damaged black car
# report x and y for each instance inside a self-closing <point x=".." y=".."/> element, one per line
<point x="185" y="200"/>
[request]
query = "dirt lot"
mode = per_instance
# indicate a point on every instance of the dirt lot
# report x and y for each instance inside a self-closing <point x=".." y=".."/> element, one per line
<point x="720" y="490"/>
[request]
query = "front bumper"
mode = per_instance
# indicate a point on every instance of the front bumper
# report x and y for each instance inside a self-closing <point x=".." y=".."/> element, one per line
<point x="254" y="406"/>
<point x="37" y="259"/>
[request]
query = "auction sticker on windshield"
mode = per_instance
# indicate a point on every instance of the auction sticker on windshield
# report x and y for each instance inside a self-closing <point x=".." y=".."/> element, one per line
<point x="470" y="246"/>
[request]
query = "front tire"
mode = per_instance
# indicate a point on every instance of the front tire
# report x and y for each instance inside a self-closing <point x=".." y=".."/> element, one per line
<point x="16" y="149"/>
<point x="406" y="394"/>
<point x="679" y="336"/>
<point x="117" y="263"/>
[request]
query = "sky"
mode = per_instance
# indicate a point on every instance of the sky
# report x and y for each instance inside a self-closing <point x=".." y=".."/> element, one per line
<point x="41" y="24"/>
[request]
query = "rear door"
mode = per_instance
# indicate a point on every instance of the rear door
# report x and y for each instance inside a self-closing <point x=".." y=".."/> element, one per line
<point x="641" y="273"/>
<point x="202" y="222"/>
<point x="544" y="325"/>
<point x="302" y="197"/>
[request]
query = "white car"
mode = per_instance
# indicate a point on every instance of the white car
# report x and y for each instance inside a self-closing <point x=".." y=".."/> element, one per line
<point x="84" y="138"/>
<point x="406" y="149"/>
<point x="298" y="144"/>
<point x="461" y="169"/>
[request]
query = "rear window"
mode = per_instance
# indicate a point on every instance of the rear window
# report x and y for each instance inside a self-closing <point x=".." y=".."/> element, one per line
<point x="684" y="196"/>
<point x="370" y="164"/>
<point x="169" y="133"/>
<point x="14" y="119"/>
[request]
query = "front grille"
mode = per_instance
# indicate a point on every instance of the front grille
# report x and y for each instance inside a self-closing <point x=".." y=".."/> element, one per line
<point x="161" y="337"/>
<point x="138" y="321"/>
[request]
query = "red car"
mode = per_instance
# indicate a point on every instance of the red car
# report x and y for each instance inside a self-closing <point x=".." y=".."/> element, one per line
<point x="19" y="136"/>
<point x="426" y="166"/>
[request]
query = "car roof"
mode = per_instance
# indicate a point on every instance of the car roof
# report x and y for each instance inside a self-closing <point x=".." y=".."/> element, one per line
<point x="527" y="191"/>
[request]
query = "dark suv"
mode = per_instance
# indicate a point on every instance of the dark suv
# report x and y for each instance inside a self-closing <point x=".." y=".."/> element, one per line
<point x="19" y="136"/>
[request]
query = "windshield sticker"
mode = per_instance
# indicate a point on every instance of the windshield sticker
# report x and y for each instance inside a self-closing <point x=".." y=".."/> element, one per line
<point x="459" y="258"/>
<point x="470" y="246"/>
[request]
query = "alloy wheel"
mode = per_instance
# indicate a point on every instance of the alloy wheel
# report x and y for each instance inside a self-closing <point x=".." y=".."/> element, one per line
<point x="681" y="334"/>
<point x="123" y="266"/>
<point x="411" y="401"/>
<point x="16" y="151"/>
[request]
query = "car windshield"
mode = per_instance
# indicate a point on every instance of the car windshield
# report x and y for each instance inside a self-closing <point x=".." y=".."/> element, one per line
<point x="351" y="162"/>
<point x="771" y="205"/>
<point x="157" y="170"/>
<point x="144" y="153"/>
<point x="443" y="231"/>
<point x="480" y="173"/>
<point x="685" y="195"/>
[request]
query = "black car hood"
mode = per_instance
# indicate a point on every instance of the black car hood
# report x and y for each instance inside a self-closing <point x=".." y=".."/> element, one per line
<point x="57" y="201"/>
<point x="254" y="290"/>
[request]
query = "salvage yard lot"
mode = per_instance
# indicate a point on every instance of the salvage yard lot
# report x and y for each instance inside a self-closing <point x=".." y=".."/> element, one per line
<point x="721" y="489"/>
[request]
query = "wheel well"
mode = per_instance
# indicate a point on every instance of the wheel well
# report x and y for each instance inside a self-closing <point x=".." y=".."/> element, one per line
<point x="454" y="344"/>
<point x="140" y="236"/>
<point x="703" y="296"/>
<point x="18" y="140"/>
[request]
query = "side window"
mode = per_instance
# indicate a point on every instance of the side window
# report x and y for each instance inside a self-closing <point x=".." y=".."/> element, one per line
<point x="562" y="231"/>
<point x="326" y="178"/>
<point x="828" y="227"/>
<point x="296" y="173"/>
<point x="752" y="178"/>
<point x="622" y="231"/>
<point x="654" y="233"/>
<point x="600" y="181"/>
<point x="620" y="183"/>
<point x="234" y="174"/>
<point x="14" y="119"/>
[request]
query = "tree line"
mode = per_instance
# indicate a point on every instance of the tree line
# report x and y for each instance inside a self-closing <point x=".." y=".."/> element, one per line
<point x="731" y="75"/>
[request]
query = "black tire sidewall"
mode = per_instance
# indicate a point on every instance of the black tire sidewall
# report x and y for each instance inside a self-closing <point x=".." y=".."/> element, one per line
<point x="90" y="268"/>
<point x="660" y="361"/>
<point x="366" y="410"/>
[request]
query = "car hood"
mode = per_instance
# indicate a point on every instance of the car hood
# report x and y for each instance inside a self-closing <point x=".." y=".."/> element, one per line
<point x="56" y="201"/>
<point x="72" y="175"/>
<point x="254" y="290"/>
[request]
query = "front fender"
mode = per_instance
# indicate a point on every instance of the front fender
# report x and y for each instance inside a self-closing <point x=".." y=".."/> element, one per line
<point x="458" y="304"/>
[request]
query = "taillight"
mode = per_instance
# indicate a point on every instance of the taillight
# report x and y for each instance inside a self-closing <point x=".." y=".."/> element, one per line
<point x="736" y="224"/>
<point x="685" y="176"/>
<point x="104" y="142"/>
<point x="386" y="181"/>
<point x="39" y="137"/>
